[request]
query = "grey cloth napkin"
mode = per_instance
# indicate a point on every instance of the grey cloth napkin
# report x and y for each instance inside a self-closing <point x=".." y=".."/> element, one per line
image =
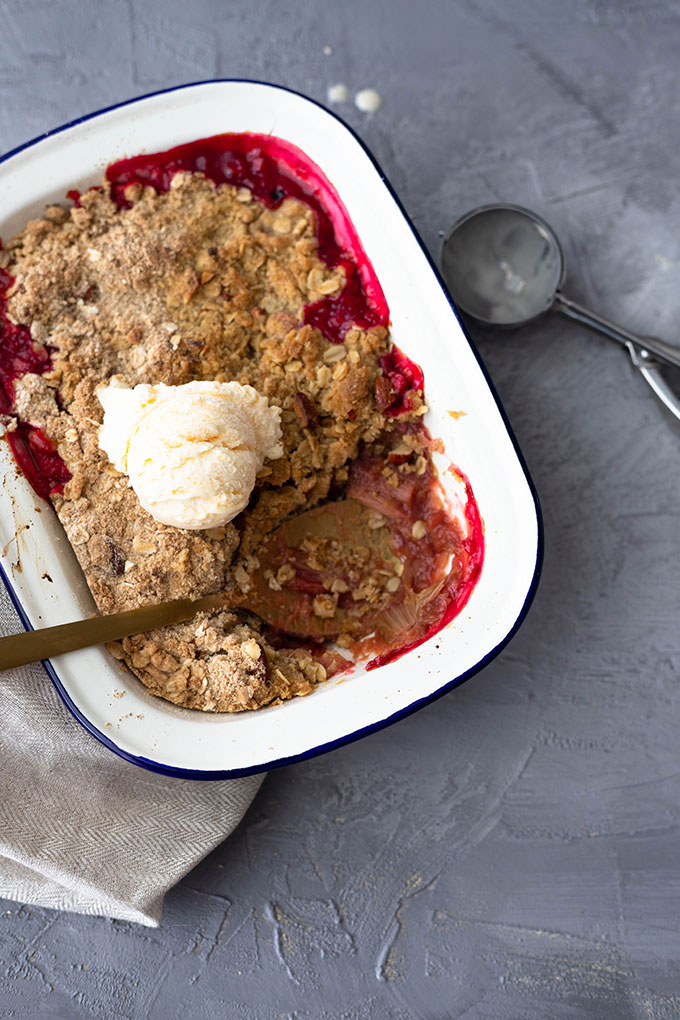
<point x="83" y="830"/>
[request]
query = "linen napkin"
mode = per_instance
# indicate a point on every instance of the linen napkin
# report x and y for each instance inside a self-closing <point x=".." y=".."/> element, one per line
<point x="83" y="830"/>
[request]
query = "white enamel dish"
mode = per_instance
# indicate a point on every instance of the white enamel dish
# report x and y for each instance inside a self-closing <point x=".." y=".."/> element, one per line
<point x="40" y="569"/>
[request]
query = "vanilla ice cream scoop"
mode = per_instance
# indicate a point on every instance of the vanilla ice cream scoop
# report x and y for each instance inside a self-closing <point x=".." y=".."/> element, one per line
<point x="191" y="452"/>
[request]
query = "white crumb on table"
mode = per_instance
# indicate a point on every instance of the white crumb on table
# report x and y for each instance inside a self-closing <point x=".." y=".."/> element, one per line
<point x="368" y="100"/>
<point x="337" y="93"/>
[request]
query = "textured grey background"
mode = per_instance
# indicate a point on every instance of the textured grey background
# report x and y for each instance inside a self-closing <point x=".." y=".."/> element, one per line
<point x="513" y="850"/>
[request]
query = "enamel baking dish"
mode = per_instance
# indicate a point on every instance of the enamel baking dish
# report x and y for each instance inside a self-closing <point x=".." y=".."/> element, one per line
<point x="40" y="569"/>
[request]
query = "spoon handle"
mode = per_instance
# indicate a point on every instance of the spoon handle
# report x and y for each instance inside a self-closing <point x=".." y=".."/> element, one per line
<point x="34" y="645"/>
<point x="663" y="351"/>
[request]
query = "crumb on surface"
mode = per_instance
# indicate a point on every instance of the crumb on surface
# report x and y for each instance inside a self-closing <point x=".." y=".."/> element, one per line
<point x="368" y="100"/>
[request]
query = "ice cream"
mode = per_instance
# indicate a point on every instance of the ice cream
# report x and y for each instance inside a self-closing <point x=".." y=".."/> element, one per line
<point x="191" y="452"/>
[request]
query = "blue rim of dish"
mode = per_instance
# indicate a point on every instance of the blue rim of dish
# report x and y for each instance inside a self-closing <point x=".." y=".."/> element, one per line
<point x="365" y="731"/>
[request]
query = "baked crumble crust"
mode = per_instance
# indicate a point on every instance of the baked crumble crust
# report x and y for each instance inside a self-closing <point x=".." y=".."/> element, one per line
<point x="201" y="282"/>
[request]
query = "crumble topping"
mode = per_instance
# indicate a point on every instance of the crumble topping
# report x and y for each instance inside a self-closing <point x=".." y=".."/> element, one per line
<point x="202" y="282"/>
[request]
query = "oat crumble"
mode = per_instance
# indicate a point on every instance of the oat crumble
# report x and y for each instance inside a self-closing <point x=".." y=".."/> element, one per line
<point x="199" y="282"/>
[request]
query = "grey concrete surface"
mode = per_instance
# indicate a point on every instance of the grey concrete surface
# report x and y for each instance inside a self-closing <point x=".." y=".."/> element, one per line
<point x="512" y="851"/>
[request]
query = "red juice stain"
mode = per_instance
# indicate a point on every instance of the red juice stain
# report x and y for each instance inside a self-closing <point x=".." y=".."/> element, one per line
<point x="33" y="451"/>
<point x="405" y="376"/>
<point x="36" y="455"/>
<point x="77" y="196"/>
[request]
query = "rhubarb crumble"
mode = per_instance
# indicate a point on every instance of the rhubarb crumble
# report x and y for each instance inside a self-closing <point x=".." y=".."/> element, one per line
<point x="174" y="270"/>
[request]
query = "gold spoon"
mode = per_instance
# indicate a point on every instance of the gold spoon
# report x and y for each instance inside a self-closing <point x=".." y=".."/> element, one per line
<point x="362" y="549"/>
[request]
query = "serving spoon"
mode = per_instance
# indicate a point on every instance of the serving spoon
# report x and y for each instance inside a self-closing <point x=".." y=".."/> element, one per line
<point x="504" y="266"/>
<point x="288" y="608"/>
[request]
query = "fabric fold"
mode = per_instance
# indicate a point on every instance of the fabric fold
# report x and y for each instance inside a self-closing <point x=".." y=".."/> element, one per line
<point x="81" y="829"/>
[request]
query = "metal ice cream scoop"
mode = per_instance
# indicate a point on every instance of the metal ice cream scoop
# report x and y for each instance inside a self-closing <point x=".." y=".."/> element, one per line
<point x="504" y="266"/>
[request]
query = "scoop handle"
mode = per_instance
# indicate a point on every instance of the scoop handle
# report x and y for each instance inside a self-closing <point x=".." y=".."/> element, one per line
<point x="34" y="645"/>
<point x="652" y="373"/>
<point x="659" y="348"/>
